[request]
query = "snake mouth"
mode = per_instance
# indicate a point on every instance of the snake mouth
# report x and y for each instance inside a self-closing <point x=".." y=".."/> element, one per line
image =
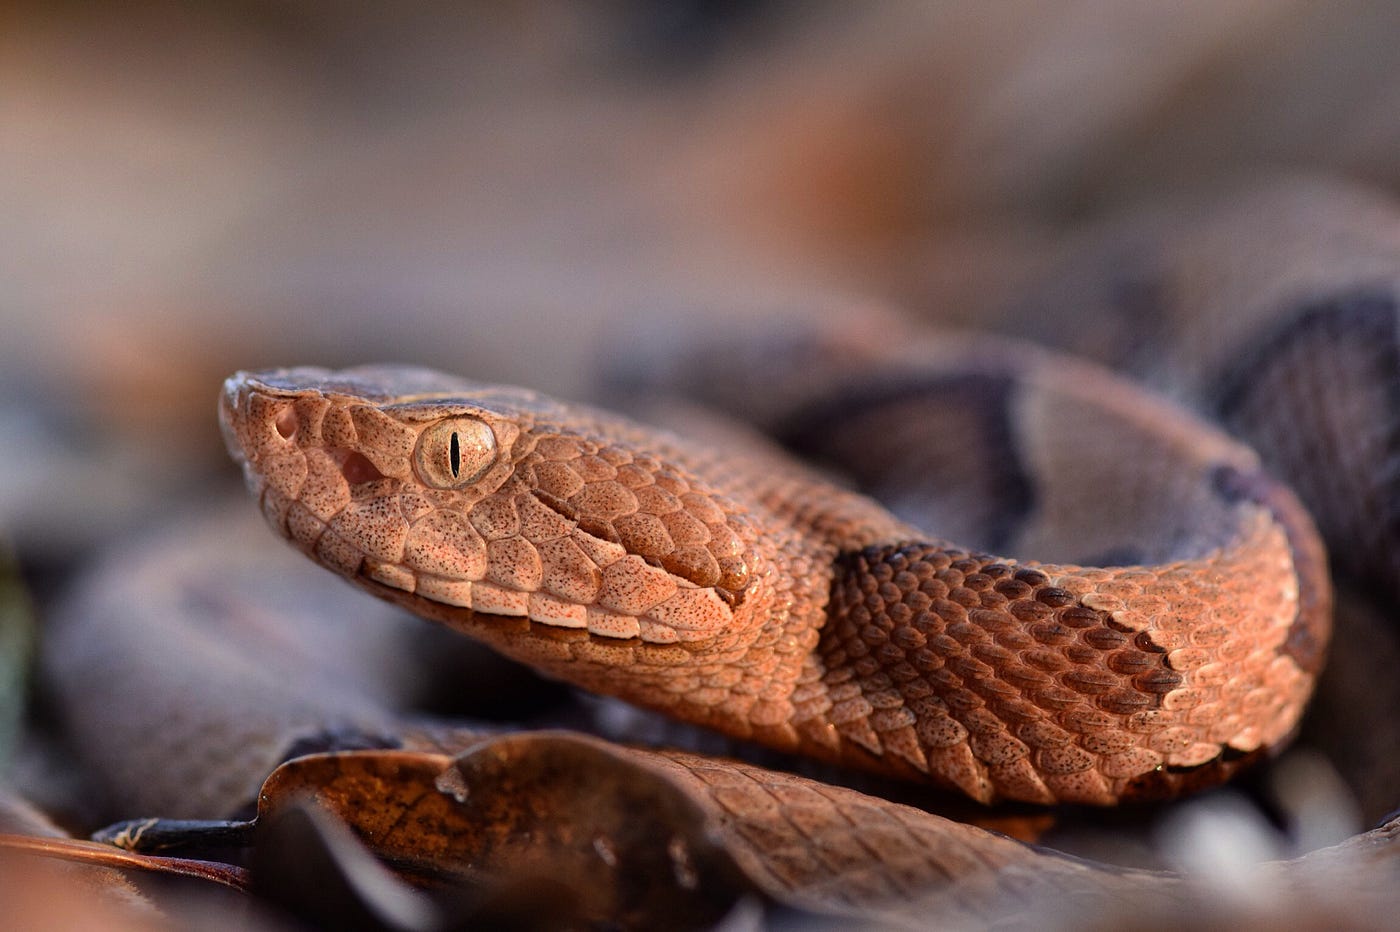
<point x="542" y="609"/>
<point x="486" y="624"/>
<point x="458" y="600"/>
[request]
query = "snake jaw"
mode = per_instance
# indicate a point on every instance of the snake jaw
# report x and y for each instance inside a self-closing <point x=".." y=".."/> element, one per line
<point x="540" y="523"/>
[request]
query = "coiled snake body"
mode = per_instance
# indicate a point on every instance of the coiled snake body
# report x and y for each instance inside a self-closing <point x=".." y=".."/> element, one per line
<point x="1159" y="622"/>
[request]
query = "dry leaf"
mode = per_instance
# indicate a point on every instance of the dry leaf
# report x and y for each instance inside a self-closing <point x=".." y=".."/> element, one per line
<point x="629" y="846"/>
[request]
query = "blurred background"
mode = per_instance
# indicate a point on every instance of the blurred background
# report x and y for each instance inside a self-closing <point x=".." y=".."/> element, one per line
<point x="511" y="190"/>
<point x="187" y="189"/>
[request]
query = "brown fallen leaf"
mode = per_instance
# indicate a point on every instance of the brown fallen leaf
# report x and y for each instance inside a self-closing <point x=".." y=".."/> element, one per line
<point x="309" y="865"/>
<point x="526" y="829"/>
<point x="641" y="837"/>
<point x="628" y="846"/>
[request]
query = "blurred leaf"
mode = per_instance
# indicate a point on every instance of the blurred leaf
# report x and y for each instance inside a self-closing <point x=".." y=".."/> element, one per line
<point x="308" y="864"/>
<point x="100" y="855"/>
<point x="313" y="868"/>
<point x="16" y="651"/>
<point x="43" y="894"/>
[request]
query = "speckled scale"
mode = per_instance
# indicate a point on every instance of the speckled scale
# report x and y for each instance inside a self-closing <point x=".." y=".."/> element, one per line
<point x="1034" y="675"/>
<point x="649" y="509"/>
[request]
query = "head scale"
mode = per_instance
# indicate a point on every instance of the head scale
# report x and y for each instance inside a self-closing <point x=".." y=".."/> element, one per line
<point x="461" y="499"/>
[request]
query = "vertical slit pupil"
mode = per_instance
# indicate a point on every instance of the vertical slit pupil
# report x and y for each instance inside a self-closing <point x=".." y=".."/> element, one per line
<point x="455" y="455"/>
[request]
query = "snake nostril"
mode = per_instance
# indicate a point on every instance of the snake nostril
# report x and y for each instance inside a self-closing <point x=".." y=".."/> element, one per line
<point x="286" y="422"/>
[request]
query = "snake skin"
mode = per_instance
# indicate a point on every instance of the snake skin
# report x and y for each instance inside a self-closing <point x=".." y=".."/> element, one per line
<point x="726" y="584"/>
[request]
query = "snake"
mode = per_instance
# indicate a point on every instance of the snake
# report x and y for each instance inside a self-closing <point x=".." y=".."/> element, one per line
<point x="1134" y="606"/>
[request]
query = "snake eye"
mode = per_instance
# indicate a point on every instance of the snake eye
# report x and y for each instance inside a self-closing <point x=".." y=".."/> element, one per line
<point x="453" y="452"/>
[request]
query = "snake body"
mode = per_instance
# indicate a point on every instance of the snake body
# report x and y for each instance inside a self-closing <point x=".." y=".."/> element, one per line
<point x="704" y="573"/>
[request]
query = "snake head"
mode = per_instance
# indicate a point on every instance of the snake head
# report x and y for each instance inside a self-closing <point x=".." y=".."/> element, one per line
<point x="462" y="500"/>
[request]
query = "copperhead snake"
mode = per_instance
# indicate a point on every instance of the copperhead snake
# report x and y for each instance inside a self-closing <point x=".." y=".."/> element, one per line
<point x="699" y="568"/>
<point x="728" y="585"/>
